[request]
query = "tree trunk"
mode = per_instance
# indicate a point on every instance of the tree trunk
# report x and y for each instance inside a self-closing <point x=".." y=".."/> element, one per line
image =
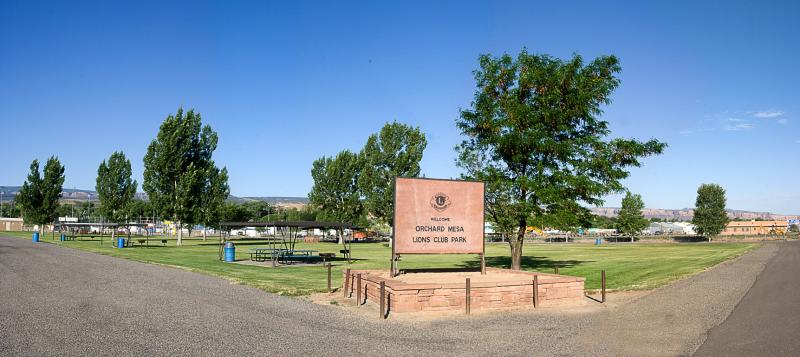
<point x="204" y="233"/>
<point x="179" y="227"/>
<point x="631" y="238"/>
<point x="516" y="248"/>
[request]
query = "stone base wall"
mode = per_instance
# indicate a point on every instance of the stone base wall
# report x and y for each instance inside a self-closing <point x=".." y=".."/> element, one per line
<point x="553" y="290"/>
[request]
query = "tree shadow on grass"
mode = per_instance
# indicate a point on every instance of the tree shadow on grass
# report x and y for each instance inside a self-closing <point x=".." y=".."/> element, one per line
<point x="442" y="270"/>
<point x="527" y="263"/>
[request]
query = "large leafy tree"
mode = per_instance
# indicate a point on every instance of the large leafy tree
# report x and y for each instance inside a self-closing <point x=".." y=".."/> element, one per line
<point x="499" y="195"/>
<point x="535" y="120"/>
<point x="710" y="217"/>
<point x="630" y="220"/>
<point x="176" y="166"/>
<point x="115" y="187"/>
<point x="395" y="151"/>
<point x="335" y="191"/>
<point x="140" y="209"/>
<point x="38" y="197"/>
<point x="10" y="209"/>
<point x="214" y="192"/>
<point x="258" y="210"/>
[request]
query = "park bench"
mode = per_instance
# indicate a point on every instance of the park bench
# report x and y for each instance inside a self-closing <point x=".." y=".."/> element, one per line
<point x="163" y="242"/>
<point x="141" y="242"/>
<point x="327" y="256"/>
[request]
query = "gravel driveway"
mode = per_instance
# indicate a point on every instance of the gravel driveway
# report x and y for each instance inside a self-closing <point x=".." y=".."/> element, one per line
<point x="59" y="301"/>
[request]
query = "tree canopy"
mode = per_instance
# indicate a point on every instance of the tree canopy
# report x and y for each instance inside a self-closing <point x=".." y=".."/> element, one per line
<point x="214" y="191"/>
<point x="533" y="129"/>
<point x="115" y="188"/>
<point x="630" y="220"/>
<point x="710" y="217"/>
<point x="335" y="191"/>
<point x="395" y="151"/>
<point x="177" y="167"/>
<point x="38" y="197"/>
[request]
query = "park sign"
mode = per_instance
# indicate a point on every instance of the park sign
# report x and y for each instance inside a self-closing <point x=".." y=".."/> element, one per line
<point x="436" y="216"/>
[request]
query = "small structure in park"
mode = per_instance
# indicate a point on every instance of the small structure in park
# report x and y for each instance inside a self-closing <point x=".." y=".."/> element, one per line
<point x="282" y="249"/>
<point x="73" y="230"/>
<point x="434" y="216"/>
<point x="11" y="224"/>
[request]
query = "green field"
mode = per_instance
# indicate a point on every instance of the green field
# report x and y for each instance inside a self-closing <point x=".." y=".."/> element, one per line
<point x="628" y="266"/>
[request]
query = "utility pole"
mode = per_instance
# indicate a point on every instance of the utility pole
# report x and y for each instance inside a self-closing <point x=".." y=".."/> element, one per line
<point x="1" y="203"/>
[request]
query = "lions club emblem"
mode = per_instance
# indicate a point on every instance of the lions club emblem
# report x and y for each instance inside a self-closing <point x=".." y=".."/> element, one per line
<point x="440" y="201"/>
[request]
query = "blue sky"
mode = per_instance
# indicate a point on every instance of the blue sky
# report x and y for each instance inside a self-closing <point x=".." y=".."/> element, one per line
<point x="285" y="83"/>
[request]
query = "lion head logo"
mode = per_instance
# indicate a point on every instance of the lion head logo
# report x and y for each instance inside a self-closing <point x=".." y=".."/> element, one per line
<point x="440" y="201"/>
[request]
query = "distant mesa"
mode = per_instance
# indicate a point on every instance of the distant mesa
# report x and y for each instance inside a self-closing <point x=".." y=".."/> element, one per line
<point x="683" y="214"/>
<point x="686" y="214"/>
<point x="79" y="195"/>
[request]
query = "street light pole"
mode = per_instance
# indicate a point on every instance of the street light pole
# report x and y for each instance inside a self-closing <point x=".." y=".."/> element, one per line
<point x="1" y="203"/>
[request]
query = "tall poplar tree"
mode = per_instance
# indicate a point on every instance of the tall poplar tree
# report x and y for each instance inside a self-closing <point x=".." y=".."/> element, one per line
<point x="535" y="120"/>
<point x="215" y="191"/>
<point x="176" y="166"/>
<point x="115" y="188"/>
<point x="710" y="217"/>
<point x="38" y="197"/>
<point x="395" y="151"/>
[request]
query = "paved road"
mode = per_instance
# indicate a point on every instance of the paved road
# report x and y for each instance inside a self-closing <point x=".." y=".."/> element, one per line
<point x="59" y="301"/>
<point x="674" y="320"/>
<point x="766" y="322"/>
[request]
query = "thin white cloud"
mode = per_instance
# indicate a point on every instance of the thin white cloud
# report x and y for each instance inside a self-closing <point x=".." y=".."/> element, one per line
<point x="768" y="114"/>
<point x="739" y="127"/>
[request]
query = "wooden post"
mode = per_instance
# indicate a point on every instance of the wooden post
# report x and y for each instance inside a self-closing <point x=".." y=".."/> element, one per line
<point x="468" y="298"/>
<point x="603" y="286"/>
<point x="329" y="277"/>
<point x="483" y="264"/>
<point x="358" y="286"/>
<point x="352" y="284"/>
<point x="346" y="281"/>
<point x="535" y="291"/>
<point x="383" y="297"/>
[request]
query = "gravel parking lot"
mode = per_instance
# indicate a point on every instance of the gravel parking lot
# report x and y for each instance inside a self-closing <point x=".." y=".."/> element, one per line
<point x="59" y="301"/>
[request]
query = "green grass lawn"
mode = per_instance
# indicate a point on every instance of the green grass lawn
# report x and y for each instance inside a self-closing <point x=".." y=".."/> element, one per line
<point x="627" y="266"/>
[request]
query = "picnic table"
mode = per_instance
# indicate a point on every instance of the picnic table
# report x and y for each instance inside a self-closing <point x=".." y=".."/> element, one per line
<point x="263" y="254"/>
<point x="295" y="255"/>
<point x="282" y="255"/>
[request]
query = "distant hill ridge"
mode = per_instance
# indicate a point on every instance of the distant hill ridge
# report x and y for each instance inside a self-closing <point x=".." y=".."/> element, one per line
<point x="79" y="195"/>
<point x="686" y="214"/>
<point x="683" y="214"/>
